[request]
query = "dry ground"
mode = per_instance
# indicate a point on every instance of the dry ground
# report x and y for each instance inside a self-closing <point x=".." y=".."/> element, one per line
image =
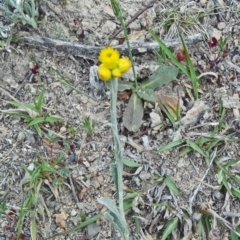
<point x="93" y="23"/>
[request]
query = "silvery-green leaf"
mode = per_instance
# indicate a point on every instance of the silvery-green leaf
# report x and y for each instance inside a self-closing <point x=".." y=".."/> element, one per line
<point x="116" y="222"/>
<point x="147" y="94"/>
<point x="122" y="85"/>
<point x="163" y="75"/>
<point x="132" y="117"/>
<point x="110" y="204"/>
<point x="113" y="170"/>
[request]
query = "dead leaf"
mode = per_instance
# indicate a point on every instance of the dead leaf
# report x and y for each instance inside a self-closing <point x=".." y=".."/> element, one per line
<point x="171" y="104"/>
<point x="82" y="193"/>
<point x="124" y="95"/>
<point x="61" y="218"/>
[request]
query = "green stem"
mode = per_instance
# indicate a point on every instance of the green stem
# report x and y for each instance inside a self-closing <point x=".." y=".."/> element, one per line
<point x="116" y="6"/>
<point x="118" y="149"/>
<point x="129" y="48"/>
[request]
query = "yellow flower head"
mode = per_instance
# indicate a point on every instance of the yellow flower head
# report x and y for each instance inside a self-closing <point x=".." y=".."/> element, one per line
<point x="124" y="64"/>
<point x="116" y="73"/>
<point x="104" y="73"/>
<point x="109" y="57"/>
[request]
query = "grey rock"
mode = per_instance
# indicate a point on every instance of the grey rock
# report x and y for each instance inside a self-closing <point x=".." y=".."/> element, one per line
<point x="93" y="229"/>
<point x="21" y="137"/>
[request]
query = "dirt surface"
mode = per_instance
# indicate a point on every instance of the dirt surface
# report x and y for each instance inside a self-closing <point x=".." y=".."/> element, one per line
<point x="93" y="23"/>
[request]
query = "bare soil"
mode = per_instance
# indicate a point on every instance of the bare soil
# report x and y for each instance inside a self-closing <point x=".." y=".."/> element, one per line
<point x="93" y="23"/>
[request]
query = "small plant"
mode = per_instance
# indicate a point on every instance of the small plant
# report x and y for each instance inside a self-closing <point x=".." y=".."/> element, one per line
<point x="177" y="59"/>
<point x="71" y="131"/>
<point x="88" y="125"/>
<point x="109" y="70"/>
<point x="24" y="11"/>
<point x="226" y="178"/>
<point x="32" y="113"/>
<point x="34" y="173"/>
<point x="3" y="208"/>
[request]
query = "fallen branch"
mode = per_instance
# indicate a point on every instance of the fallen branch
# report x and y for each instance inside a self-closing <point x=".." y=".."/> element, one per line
<point x="91" y="52"/>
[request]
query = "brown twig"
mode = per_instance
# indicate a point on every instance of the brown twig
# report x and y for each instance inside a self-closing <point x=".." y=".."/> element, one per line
<point x="136" y="15"/>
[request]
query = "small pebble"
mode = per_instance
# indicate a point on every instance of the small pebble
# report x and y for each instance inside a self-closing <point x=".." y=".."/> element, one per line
<point x="73" y="213"/>
<point x="63" y="129"/>
<point x="21" y="137"/>
<point x="221" y="25"/>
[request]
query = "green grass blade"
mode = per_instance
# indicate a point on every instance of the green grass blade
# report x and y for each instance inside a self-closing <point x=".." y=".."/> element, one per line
<point x="170" y="227"/>
<point x="38" y="129"/>
<point x="195" y="147"/>
<point x="169" y="53"/>
<point x="235" y="192"/>
<point x="171" y="185"/>
<point x="26" y="105"/>
<point x="193" y="75"/>
<point x="130" y="163"/>
<point x="171" y="145"/>
<point x="42" y="120"/>
<point x="40" y="102"/>
<point x="33" y="227"/>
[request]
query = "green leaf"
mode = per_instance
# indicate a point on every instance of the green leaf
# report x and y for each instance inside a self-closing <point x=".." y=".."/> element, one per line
<point x="132" y="117"/>
<point x="169" y="54"/>
<point x="114" y="172"/>
<point x="113" y="215"/>
<point x="170" y="227"/>
<point x="234" y="236"/>
<point x="171" y="145"/>
<point x="33" y="226"/>
<point x="193" y="75"/>
<point x="147" y="94"/>
<point x="39" y="102"/>
<point x="38" y="129"/>
<point x="26" y="105"/>
<point x="122" y="85"/>
<point x="171" y="185"/>
<point x="235" y="192"/>
<point x="195" y="147"/>
<point x="44" y="119"/>
<point x="130" y="195"/>
<point x="130" y="163"/>
<point x="163" y="75"/>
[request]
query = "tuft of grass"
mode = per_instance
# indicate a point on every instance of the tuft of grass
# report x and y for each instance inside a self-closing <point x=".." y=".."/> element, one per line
<point x="188" y="70"/>
<point x="33" y="114"/>
<point x="88" y="125"/>
<point x="35" y="174"/>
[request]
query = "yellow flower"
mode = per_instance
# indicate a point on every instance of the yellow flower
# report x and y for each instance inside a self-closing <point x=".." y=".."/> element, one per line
<point x="109" y="57"/>
<point x="124" y="64"/>
<point x="104" y="73"/>
<point x="116" y="73"/>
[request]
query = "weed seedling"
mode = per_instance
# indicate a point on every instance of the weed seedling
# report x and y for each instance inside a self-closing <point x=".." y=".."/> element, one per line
<point x="88" y="125"/>
<point x="32" y="113"/>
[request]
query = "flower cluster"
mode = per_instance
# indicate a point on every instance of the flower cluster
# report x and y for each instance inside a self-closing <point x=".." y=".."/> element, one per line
<point x="111" y="64"/>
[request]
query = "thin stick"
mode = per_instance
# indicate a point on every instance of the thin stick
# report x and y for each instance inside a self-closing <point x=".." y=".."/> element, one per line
<point x="135" y="16"/>
<point x="87" y="51"/>
<point x="199" y="185"/>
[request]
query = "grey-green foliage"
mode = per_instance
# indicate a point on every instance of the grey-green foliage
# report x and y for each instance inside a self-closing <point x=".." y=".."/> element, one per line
<point x="3" y="31"/>
<point x="21" y="11"/>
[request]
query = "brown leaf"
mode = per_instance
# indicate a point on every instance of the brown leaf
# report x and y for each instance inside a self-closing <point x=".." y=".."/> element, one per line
<point x="61" y="218"/>
<point x="171" y="104"/>
<point x="124" y="95"/>
<point x="82" y="193"/>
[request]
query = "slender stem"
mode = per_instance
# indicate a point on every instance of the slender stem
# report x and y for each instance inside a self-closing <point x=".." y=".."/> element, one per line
<point x="118" y="149"/>
<point x="118" y="13"/>
<point x="129" y="48"/>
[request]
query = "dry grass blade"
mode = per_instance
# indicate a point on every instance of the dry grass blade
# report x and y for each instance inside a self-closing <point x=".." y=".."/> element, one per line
<point x="144" y="236"/>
